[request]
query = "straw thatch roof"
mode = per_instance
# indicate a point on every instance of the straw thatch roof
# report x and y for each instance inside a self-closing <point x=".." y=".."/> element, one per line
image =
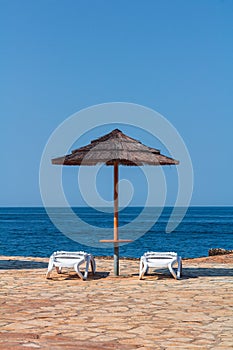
<point x="115" y="147"/>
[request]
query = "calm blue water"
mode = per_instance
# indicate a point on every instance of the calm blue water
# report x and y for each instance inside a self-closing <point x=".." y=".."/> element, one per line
<point x="29" y="232"/>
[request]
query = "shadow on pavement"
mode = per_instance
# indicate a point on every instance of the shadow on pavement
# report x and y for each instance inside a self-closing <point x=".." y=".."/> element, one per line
<point x="207" y="271"/>
<point x="189" y="273"/>
<point x="71" y="275"/>
<point x="21" y="264"/>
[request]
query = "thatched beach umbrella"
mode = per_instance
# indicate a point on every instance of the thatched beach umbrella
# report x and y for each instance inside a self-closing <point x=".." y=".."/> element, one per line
<point x="115" y="149"/>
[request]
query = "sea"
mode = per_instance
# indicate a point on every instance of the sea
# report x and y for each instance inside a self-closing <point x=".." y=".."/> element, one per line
<point x="30" y="232"/>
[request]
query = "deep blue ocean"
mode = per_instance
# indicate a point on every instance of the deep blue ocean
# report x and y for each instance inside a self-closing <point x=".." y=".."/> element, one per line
<point x="29" y="232"/>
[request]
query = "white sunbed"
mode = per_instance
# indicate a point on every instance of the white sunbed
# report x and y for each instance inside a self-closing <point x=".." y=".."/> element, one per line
<point x="65" y="259"/>
<point x="160" y="260"/>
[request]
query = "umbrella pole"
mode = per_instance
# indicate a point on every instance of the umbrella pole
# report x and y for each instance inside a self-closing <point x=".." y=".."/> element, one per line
<point x="116" y="247"/>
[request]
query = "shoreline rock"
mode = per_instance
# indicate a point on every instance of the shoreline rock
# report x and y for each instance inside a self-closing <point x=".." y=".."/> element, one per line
<point x="219" y="251"/>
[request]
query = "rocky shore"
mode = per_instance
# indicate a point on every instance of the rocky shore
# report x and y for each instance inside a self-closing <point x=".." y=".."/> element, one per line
<point x="108" y="312"/>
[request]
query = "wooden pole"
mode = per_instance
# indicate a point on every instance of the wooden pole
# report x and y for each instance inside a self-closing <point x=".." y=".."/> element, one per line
<point x="116" y="246"/>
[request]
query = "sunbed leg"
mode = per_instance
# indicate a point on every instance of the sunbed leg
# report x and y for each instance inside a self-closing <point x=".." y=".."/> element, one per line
<point x="143" y="268"/>
<point x="58" y="269"/>
<point x="50" y="267"/>
<point x="179" y="269"/>
<point x="76" y="267"/>
<point x="87" y="267"/>
<point x="172" y="271"/>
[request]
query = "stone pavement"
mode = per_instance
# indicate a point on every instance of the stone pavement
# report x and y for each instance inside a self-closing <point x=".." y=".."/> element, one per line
<point x="107" y="312"/>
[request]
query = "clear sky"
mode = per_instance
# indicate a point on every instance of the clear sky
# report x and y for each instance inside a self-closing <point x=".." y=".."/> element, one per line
<point x="174" y="56"/>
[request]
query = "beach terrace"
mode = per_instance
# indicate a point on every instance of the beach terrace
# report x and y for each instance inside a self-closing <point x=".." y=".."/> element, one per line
<point x="109" y="312"/>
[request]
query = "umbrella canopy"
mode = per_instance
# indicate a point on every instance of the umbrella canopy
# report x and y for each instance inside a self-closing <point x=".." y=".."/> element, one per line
<point x="115" y="149"/>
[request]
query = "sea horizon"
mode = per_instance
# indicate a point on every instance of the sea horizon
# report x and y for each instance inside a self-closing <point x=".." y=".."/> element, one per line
<point x="130" y="206"/>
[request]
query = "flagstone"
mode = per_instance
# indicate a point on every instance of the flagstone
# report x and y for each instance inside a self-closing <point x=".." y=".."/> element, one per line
<point x="124" y="312"/>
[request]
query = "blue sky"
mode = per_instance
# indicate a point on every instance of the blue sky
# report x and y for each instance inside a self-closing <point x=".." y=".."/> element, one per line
<point x="58" y="57"/>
